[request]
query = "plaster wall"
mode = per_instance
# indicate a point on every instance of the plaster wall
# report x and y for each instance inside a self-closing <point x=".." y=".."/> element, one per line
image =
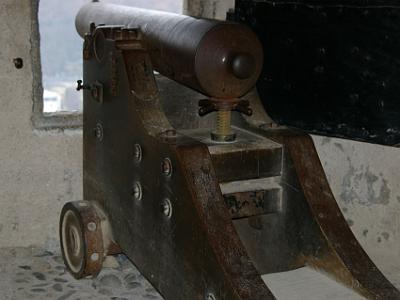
<point x="39" y="170"/>
<point x="213" y="9"/>
<point x="365" y="181"/>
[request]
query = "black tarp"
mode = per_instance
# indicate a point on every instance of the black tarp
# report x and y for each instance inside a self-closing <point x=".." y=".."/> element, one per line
<point x="331" y="67"/>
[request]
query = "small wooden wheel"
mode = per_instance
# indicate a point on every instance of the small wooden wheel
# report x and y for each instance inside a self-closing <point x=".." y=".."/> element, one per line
<point x="81" y="239"/>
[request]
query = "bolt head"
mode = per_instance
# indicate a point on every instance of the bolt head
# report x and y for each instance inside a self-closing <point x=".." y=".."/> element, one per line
<point x="137" y="152"/>
<point x="92" y="226"/>
<point x="166" y="208"/>
<point x="94" y="257"/>
<point x="98" y="132"/>
<point x="170" y="133"/>
<point x="95" y="93"/>
<point x="210" y="296"/>
<point x="166" y="167"/>
<point x="137" y="191"/>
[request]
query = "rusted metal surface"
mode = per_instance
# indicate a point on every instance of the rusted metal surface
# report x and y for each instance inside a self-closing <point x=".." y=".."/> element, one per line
<point x="86" y="238"/>
<point x="252" y="203"/>
<point x="164" y="189"/>
<point x="81" y="238"/>
<point x="231" y="256"/>
<point x="179" y="230"/>
<point x="219" y="59"/>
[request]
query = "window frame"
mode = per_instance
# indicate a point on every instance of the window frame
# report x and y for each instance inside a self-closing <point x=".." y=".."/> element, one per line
<point x="41" y="120"/>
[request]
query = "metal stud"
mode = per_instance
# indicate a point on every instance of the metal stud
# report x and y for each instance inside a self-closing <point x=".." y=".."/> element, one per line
<point x="210" y="296"/>
<point x="137" y="152"/>
<point x="137" y="191"/>
<point x="99" y="132"/>
<point x="166" y="167"/>
<point x="92" y="226"/>
<point x="94" y="257"/>
<point x="166" y="208"/>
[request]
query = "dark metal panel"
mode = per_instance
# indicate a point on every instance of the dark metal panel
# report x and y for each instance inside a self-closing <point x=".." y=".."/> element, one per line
<point x="330" y="67"/>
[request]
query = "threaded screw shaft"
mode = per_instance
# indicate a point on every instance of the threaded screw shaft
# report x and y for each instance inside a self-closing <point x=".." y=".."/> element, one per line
<point x="223" y="122"/>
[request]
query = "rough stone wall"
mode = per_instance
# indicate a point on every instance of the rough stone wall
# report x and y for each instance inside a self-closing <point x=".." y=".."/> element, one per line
<point x="39" y="170"/>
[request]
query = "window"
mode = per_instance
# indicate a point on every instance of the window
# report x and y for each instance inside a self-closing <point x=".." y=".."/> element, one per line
<point x="59" y="104"/>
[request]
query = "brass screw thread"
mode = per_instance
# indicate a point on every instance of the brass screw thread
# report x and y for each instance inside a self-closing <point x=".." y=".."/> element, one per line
<point x="223" y="122"/>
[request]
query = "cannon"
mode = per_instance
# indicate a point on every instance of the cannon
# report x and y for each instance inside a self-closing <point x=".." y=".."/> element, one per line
<point x="220" y="60"/>
<point x="202" y="205"/>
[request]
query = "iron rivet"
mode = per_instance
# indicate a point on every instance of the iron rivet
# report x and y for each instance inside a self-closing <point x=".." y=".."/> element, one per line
<point x="210" y="296"/>
<point x="137" y="191"/>
<point x="94" y="257"/>
<point x="92" y="226"/>
<point x="98" y="132"/>
<point x="167" y="208"/>
<point x="95" y="93"/>
<point x="170" y="133"/>
<point x="166" y="167"/>
<point x="137" y="152"/>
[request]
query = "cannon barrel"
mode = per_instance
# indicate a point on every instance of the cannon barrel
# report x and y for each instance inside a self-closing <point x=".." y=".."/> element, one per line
<point x="220" y="59"/>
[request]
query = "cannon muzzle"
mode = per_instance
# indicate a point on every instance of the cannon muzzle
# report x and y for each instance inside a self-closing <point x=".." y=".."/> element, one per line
<point x="222" y="60"/>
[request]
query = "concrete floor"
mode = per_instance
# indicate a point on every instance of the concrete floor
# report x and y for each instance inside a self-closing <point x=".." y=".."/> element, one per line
<point x="30" y="273"/>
